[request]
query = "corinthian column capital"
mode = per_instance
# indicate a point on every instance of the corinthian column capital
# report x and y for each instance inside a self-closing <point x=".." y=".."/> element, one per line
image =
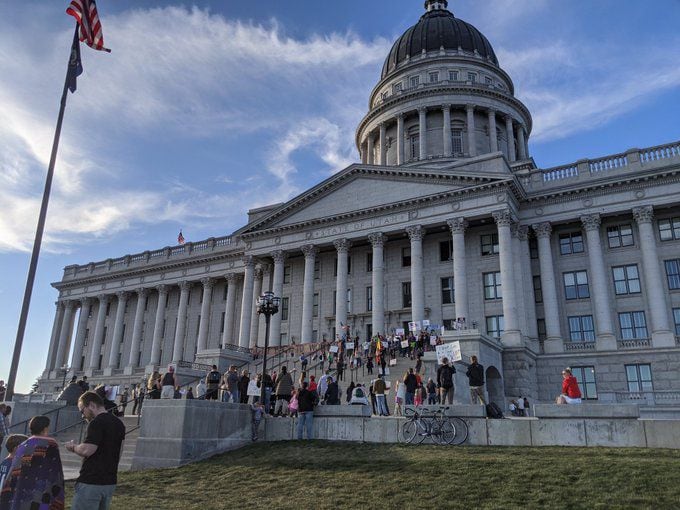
<point x="543" y="229"/>
<point x="415" y="232"/>
<point x="377" y="239"/>
<point x="309" y="251"/>
<point x="503" y="218"/>
<point x="457" y="225"/>
<point x="591" y="221"/>
<point x="342" y="245"/>
<point x="643" y="214"/>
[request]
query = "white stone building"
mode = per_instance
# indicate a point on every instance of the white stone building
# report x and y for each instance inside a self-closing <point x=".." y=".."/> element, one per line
<point x="449" y="216"/>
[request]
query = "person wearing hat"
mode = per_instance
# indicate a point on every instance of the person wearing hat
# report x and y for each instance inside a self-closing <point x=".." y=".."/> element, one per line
<point x="168" y="383"/>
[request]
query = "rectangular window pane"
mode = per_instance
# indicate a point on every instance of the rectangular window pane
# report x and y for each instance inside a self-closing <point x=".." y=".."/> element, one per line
<point x="673" y="273"/>
<point x="676" y="320"/>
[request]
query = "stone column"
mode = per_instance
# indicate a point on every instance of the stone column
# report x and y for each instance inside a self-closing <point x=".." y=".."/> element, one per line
<point x="255" y="320"/>
<point x="246" y="301"/>
<point x="662" y="336"/>
<point x="64" y="335"/>
<point x="204" y="324"/>
<point x="362" y="153"/>
<point x="415" y="235"/>
<point x="553" y="341"/>
<point x="98" y="337"/>
<point x="518" y="273"/>
<point x="472" y="142"/>
<point x="158" y="328"/>
<point x="521" y="144"/>
<point x="378" y="240"/>
<point x="369" y="148"/>
<point x="279" y="258"/>
<point x="598" y="283"/>
<point x="117" y="333"/>
<point x="181" y="329"/>
<point x="524" y="261"/>
<point x="511" y="138"/>
<point x="446" y="132"/>
<point x="342" y="246"/>
<point x="267" y="275"/>
<point x="229" y="311"/>
<point x="511" y="334"/>
<point x="85" y="306"/>
<point x="400" y="139"/>
<point x="458" y="226"/>
<point x="422" y="133"/>
<point x="137" y="330"/>
<point x="54" y="338"/>
<point x="493" y="140"/>
<point x="309" y="251"/>
<point x="383" y="144"/>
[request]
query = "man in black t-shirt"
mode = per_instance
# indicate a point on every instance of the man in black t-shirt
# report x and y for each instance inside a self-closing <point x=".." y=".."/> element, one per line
<point x="212" y="381"/>
<point x="100" y="451"/>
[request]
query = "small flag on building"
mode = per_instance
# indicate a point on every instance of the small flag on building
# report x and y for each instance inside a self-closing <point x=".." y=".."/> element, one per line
<point x="180" y="238"/>
<point x="89" y="30"/>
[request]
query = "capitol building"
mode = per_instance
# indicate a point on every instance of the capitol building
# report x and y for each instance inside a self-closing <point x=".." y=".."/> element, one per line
<point x="445" y="215"/>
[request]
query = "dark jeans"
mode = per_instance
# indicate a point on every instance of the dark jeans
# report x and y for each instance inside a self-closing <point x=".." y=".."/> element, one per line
<point x="409" y="398"/>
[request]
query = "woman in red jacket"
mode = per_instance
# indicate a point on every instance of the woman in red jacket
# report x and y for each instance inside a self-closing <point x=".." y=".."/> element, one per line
<point x="571" y="394"/>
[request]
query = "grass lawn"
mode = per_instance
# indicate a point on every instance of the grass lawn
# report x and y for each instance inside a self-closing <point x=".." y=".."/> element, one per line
<point x="332" y="475"/>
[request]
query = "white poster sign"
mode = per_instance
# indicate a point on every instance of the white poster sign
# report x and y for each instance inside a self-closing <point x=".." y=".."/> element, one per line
<point x="333" y="348"/>
<point x="349" y="346"/>
<point x="367" y="346"/>
<point x="433" y="340"/>
<point x="426" y="323"/>
<point x="404" y="344"/>
<point x="412" y="326"/>
<point x="400" y="331"/>
<point x="253" y="390"/>
<point x="450" y="351"/>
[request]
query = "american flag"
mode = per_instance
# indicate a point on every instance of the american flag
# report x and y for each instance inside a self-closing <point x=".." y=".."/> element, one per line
<point x="180" y="238"/>
<point x="85" y="13"/>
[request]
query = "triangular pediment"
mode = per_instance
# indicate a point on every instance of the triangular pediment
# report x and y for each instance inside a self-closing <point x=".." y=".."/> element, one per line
<point x="359" y="188"/>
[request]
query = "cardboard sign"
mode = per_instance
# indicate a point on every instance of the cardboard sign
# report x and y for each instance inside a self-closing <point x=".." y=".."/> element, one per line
<point x="450" y="351"/>
<point x="426" y="323"/>
<point x="253" y="390"/>
<point x="333" y="348"/>
<point x="349" y="346"/>
<point x="404" y="344"/>
<point x="400" y="332"/>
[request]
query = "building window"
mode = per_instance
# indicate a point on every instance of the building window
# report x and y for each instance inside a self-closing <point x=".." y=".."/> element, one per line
<point x="369" y="299"/>
<point x="317" y="268"/>
<point x="406" y="256"/>
<point x="673" y="273"/>
<point x="414" y="145"/>
<point x="445" y="250"/>
<point x="434" y="77"/>
<point x="669" y="229"/>
<point x="284" y="308"/>
<point x="494" y="326"/>
<point x="453" y="75"/>
<point x="633" y="325"/>
<point x="492" y="285"/>
<point x="639" y="378"/>
<point x="620" y="235"/>
<point x="396" y="88"/>
<point x="457" y="141"/>
<point x="108" y="307"/>
<point x="369" y="262"/>
<point x="286" y="273"/>
<point x="349" y="300"/>
<point x="87" y="335"/>
<point x="540" y="329"/>
<point x="585" y="376"/>
<point x="198" y="326"/>
<point x="488" y="81"/>
<point x="489" y="244"/>
<point x="571" y="243"/>
<point x="538" y="291"/>
<point x="472" y="77"/>
<point x="581" y="328"/>
<point x="315" y="305"/>
<point x="626" y="279"/>
<point x="224" y="318"/>
<point x="284" y="339"/>
<point x="447" y="290"/>
<point x="224" y="294"/>
<point x="676" y="320"/>
<point x="576" y="285"/>
<point x="533" y="248"/>
<point x="414" y="81"/>
<point x="406" y="294"/>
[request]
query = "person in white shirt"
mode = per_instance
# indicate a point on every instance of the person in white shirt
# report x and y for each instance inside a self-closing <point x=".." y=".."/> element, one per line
<point x="201" y="389"/>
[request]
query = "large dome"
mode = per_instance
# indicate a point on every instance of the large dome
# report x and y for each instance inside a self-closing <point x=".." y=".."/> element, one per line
<point x="438" y="28"/>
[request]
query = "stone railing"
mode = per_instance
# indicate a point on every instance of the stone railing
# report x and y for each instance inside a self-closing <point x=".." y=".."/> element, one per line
<point x="150" y="257"/>
<point x="579" y="346"/>
<point x="649" y="397"/>
<point x="629" y="161"/>
<point x="635" y="343"/>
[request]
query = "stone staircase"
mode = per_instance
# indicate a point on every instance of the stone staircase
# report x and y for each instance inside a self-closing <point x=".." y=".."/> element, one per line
<point x="362" y="376"/>
<point x="72" y="462"/>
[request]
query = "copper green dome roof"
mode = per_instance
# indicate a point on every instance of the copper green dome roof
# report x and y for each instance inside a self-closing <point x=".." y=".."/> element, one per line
<point x="437" y="28"/>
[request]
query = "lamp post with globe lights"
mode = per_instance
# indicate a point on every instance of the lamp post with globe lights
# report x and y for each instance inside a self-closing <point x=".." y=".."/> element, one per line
<point x="267" y="304"/>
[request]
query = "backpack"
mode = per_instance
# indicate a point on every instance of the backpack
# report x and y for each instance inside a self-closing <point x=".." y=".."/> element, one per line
<point x="214" y="377"/>
<point x="493" y="411"/>
<point x="359" y="393"/>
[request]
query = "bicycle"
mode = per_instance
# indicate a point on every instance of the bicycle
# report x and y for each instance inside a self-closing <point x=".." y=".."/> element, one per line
<point x="437" y="426"/>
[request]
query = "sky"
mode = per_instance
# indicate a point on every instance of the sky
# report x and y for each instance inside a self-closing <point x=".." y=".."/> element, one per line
<point x="206" y="109"/>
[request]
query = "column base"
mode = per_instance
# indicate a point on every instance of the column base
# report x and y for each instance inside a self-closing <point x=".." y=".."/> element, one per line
<point x="553" y="345"/>
<point x="512" y="338"/>
<point x="128" y="370"/>
<point x="88" y="372"/>
<point x="150" y="369"/>
<point x="663" y="339"/>
<point x="605" y="342"/>
<point x="108" y="371"/>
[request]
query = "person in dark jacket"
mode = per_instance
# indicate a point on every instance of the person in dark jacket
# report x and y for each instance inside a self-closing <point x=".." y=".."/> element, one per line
<point x="306" y="401"/>
<point x="475" y="374"/>
<point x="350" y="389"/>
<point x="445" y="382"/>
<point x="332" y="393"/>
<point x="71" y="393"/>
<point x="243" y="383"/>
<point x="411" y="383"/>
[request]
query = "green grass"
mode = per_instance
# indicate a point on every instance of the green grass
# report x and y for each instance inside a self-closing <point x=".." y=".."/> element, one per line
<point x="334" y="475"/>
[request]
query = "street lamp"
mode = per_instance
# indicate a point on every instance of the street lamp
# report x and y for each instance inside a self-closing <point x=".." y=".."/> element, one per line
<point x="267" y="304"/>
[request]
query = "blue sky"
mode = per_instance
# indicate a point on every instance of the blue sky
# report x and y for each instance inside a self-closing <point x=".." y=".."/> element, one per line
<point x="206" y="109"/>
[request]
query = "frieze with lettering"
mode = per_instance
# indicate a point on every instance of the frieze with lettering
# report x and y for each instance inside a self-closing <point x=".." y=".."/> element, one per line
<point x="384" y="221"/>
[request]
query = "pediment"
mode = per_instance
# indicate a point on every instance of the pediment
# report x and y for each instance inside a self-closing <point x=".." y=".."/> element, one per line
<point x="362" y="189"/>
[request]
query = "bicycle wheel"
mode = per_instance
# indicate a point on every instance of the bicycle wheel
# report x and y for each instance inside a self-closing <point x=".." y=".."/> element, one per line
<point x="424" y="429"/>
<point x="461" y="431"/>
<point x="409" y="430"/>
<point x="445" y="433"/>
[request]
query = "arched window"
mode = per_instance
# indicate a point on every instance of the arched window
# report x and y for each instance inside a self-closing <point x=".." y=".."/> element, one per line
<point x="414" y="145"/>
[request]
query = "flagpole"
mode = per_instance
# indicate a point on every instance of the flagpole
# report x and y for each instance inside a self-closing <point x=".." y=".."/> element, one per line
<point x="38" y="238"/>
